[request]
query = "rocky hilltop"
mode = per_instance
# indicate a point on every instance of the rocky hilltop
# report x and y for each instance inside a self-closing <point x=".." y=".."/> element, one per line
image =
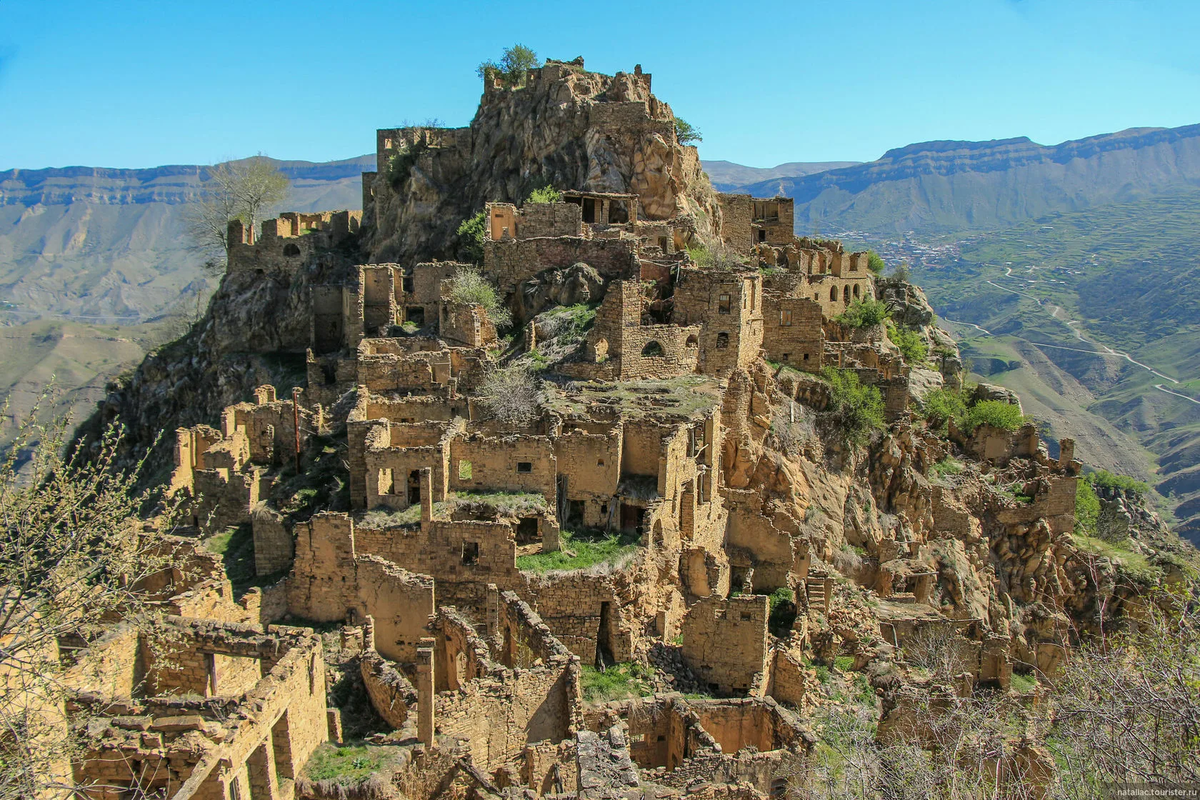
<point x="599" y="483"/>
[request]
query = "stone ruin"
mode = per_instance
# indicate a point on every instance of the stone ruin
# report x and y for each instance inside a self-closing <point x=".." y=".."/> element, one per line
<point x="435" y="559"/>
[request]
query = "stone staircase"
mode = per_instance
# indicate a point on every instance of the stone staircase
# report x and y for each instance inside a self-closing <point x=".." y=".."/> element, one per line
<point x="814" y="589"/>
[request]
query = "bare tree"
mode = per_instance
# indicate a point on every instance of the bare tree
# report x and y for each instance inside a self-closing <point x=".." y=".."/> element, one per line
<point x="1127" y="705"/>
<point x="511" y="395"/>
<point x="242" y="190"/>
<point x="72" y="555"/>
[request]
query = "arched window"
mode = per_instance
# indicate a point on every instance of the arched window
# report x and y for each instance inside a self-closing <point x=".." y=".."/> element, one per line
<point x="652" y="349"/>
<point x="833" y="294"/>
<point x="722" y="340"/>
<point x="692" y="341"/>
<point x="291" y="249"/>
<point x="845" y="294"/>
<point x="856" y="292"/>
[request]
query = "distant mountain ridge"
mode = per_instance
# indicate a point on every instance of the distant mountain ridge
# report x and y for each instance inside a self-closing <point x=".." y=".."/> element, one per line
<point x="728" y="177"/>
<point x="948" y="186"/>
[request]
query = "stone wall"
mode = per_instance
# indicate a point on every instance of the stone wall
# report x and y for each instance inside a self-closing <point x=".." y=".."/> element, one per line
<point x="792" y="331"/>
<point x="725" y="642"/>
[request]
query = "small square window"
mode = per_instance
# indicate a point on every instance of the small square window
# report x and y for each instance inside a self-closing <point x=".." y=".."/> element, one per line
<point x="806" y="356"/>
<point x="599" y="462"/>
<point x="723" y="304"/>
<point x="746" y="616"/>
<point x="524" y="467"/>
<point x="785" y="317"/>
<point x="470" y="553"/>
<point x="787" y="357"/>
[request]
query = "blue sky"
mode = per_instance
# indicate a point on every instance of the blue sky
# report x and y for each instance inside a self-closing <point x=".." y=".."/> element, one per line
<point x="137" y="83"/>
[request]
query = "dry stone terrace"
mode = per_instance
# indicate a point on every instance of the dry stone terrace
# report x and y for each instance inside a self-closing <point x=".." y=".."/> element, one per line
<point x="476" y="572"/>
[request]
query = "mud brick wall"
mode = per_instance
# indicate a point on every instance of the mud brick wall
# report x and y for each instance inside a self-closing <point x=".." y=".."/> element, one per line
<point x="736" y="212"/>
<point x="401" y="603"/>
<point x="792" y="331"/>
<point x="378" y="287"/>
<point x="496" y="465"/>
<point x="576" y="607"/>
<point x="590" y="463"/>
<point x="499" y="718"/>
<point x="511" y="262"/>
<point x="549" y="219"/>
<point x="725" y="641"/>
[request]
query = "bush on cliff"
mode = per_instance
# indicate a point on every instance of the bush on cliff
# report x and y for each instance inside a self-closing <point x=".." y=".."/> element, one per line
<point x="996" y="413"/>
<point x="911" y="345"/>
<point x="469" y="287"/>
<point x="863" y="314"/>
<point x="855" y="409"/>
<point x="470" y="238"/>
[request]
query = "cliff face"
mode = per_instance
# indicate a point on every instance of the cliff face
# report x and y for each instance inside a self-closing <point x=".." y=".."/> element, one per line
<point x="565" y="128"/>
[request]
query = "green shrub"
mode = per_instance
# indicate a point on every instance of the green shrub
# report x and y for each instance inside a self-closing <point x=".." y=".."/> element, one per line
<point x="1111" y="480"/>
<point x="875" y="262"/>
<point x="469" y="286"/>
<point x="513" y="67"/>
<point x="547" y="194"/>
<point x="470" y="238"/>
<point x="911" y="345"/>
<point x="401" y="162"/>
<point x="947" y="466"/>
<point x="943" y="405"/>
<point x="783" y="611"/>
<point x="1087" y="508"/>
<point x="843" y="663"/>
<point x="618" y="682"/>
<point x="996" y="413"/>
<point x="686" y="133"/>
<point x="857" y="410"/>
<point x="863" y="313"/>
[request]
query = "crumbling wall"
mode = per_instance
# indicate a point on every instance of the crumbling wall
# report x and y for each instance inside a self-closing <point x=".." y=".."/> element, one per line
<point x="725" y="642"/>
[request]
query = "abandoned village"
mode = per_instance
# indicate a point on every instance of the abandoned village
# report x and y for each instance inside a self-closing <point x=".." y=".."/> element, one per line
<point x="461" y="515"/>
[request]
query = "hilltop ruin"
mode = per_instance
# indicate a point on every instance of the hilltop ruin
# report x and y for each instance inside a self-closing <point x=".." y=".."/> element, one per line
<point x="673" y="499"/>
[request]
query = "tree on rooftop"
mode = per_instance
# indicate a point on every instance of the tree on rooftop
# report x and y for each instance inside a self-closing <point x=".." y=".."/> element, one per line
<point x="686" y="133"/>
<point x="244" y="190"/>
<point x="514" y="64"/>
<point x="470" y="287"/>
<point x="511" y="395"/>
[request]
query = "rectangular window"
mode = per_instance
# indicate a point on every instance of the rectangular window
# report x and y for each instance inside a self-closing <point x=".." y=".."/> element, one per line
<point x="524" y="467"/>
<point x="785" y="317"/>
<point x="470" y="553"/>
<point x="464" y="470"/>
<point x="787" y="357"/>
<point x="723" y="304"/>
<point x="387" y="484"/>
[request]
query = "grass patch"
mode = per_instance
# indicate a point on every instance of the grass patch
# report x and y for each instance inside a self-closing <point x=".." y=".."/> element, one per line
<point x="1135" y="564"/>
<point x="620" y="681"/>
<point x="843" y="663"/>
<point x="502" y="504"/>
<point x="347" y="765"/>
<point x="947" y="466"/>
<point x="582" y="549"/>
<point x="1023" y="684"/>
<point x="235" y="546"/>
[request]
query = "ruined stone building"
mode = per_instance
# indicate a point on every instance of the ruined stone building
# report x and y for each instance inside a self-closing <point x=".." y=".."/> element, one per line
<point x="670" y="342"/>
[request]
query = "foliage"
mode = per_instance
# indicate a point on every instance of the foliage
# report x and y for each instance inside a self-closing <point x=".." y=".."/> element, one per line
<point x="347" y="765"/>
<point x="875" y="262"/>
<point x="720" y="256"/>
<point x="1126" y="706"/>
<point x="1110" y="480"/>
<point x="242" y="190"/>
<point x="943" y="405"/>
<point x="619" y="681"/>
<point x="1087" y="508"/>
<point x="547" y="194"/>
<point x="911" y="345"/>
<point x="686" y="133"/>
<point x="947" y="466"/>
<point x="470" y="237"/>
<point x="72" y="556"/>
<point x="996" y="413"/>
<point x="783" y="611"/>
<point x="901" y="273"/>
<point x="511" y="395"/>
<point x="582" y="550"/>
<point x="856" y="409"/>
<point x="402" y="160"/>
<point x="470" y="287"/>
<point x="864" y="313"/>
<point x="514" y="64"/>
